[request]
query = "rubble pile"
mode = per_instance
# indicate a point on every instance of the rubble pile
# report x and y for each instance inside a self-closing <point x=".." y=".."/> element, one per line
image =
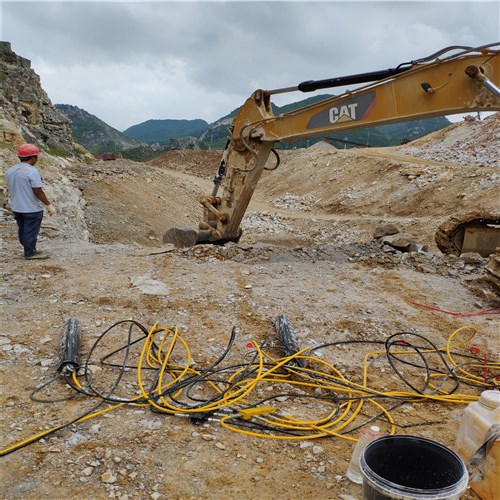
<point x="466" y="143"/>
<point x="265" y="222"/>
<point x="393" y="240"/>
<point x="291" y="201"/>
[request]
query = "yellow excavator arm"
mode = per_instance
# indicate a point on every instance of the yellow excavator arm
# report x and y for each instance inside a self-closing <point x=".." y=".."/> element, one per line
<point x="467" y="81"/>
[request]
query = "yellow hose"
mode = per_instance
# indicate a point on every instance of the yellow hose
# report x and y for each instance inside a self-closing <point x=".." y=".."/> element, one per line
<point x="319" y="375"/>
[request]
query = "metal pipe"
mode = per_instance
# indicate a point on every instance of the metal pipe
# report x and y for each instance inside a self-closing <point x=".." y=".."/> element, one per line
<point x="283" y="90"/>
<point x="70" y="347"/>
<point x="491" y="87"/>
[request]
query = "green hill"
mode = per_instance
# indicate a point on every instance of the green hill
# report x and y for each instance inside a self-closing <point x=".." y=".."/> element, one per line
<point x="161" y="131"/>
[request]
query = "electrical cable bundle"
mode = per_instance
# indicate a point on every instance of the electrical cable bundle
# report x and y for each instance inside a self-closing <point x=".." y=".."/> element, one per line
<point x="294" y="397"/>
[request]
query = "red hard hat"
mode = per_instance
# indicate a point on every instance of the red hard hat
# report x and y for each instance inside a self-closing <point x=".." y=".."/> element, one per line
<point x="28" y="150"/>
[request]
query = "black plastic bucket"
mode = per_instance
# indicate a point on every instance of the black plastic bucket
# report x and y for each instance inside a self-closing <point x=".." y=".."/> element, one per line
<point x="407" y="467"/>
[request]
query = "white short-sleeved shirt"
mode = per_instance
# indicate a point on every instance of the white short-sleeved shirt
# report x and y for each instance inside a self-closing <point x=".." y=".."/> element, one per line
<point x="21" y="179"/>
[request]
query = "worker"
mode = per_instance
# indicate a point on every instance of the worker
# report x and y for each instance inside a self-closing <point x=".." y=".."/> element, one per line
<point x="27" y="199"/>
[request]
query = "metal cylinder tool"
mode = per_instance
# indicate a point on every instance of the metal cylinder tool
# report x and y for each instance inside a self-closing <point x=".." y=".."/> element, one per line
<point x="70" y="347"/>
<point x="288" y="339"/>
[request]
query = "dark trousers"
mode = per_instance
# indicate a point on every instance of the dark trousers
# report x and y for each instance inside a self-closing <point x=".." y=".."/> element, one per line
<point x="28" y="228"/>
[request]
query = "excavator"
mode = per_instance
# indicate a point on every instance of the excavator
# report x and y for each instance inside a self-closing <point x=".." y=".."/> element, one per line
<point x="456" y="79"/>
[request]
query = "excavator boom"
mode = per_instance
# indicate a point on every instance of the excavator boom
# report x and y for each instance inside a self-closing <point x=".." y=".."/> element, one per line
<point x="467" y="81"/>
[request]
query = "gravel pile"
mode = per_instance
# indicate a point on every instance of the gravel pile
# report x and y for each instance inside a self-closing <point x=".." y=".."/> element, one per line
<point x="467" y="143"/>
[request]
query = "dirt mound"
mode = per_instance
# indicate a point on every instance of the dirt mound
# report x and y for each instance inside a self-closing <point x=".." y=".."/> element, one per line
<point x="370" y="185"/>
<point x="200" y="163"/>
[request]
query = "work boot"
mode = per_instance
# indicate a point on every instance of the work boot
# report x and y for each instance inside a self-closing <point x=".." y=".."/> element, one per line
<point x="38" y="256"/>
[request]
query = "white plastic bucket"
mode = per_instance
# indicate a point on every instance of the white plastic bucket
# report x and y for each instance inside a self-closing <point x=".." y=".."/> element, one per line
<point x="411" y="467"/>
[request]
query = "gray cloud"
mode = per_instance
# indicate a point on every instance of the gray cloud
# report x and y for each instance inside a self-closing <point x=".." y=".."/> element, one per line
<point x="129" y="62"/>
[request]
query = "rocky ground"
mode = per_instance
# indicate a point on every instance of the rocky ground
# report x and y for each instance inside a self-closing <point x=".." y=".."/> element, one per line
<point x="308" y="252"/>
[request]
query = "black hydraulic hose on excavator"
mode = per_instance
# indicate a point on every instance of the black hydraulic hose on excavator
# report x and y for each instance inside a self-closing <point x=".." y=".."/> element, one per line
<point x="373" y="76"/>
<point x="221" y="172"/>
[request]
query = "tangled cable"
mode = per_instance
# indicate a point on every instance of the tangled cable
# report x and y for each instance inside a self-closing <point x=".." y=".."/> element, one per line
<point x="260" y="396"/>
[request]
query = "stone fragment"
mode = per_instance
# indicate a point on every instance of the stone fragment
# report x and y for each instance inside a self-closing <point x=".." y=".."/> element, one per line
<point x="388" y="249"/>
<point x="149" y="286"/>
<point x="400" y="241"/>
<point x="108" y="477"/>
<point x="87" y="471"/>
<point x="385" y="230"/>
<point x="472" y="258"/>
<point x="412" y="172"/>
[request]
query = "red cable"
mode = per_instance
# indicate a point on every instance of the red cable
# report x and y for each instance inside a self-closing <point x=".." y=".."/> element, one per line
<point x="493" y="310"/>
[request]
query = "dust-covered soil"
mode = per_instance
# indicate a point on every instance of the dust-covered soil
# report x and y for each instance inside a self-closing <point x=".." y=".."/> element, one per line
<point x="308" y="253"/>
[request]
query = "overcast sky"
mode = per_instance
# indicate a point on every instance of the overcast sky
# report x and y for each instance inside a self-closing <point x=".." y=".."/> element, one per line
<point x="127" y="62"/>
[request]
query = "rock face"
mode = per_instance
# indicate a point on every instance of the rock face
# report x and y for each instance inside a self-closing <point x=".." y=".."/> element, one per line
<point x="93" y="133"/>
<point x="186" y="143"/>
<point x="28" y="113"/>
